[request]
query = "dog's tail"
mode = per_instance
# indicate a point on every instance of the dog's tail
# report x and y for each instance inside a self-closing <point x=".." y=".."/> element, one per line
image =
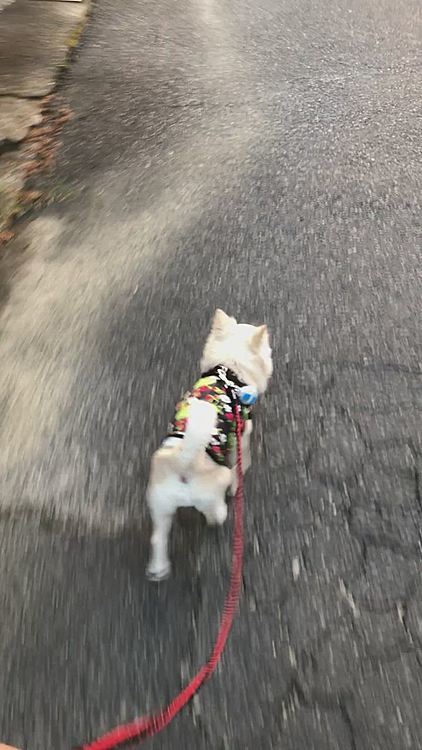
<point x="201" y="424"/>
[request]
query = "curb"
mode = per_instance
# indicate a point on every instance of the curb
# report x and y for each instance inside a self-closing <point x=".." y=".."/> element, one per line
<point x="30" y="117"/>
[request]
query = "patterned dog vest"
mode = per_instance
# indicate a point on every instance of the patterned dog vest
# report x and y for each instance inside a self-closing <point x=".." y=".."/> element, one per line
<point x="218" y="387"/>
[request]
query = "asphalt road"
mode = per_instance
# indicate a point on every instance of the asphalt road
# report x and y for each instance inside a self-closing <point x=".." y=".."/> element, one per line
<point x="263" y="156"/>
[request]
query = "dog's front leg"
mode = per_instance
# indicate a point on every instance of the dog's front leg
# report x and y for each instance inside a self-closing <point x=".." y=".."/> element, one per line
<point x="246" y="447"/>
<point x="159" y="564"/>
<point x="246" y="457"/>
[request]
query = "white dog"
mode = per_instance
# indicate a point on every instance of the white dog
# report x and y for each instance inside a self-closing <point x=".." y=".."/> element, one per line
<point x="196" y="464"/>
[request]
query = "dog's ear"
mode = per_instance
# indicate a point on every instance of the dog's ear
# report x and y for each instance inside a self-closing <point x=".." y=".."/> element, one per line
<point x="222" y="323"/>
<point x="258" y="338"/>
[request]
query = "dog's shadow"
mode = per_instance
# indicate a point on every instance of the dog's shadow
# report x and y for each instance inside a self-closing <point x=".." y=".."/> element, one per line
<point x="190" y="542"/>
<point x="168" y="611"/>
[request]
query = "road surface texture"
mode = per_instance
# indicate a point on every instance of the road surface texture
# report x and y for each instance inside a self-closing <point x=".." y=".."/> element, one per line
<point x="264" y="156"/>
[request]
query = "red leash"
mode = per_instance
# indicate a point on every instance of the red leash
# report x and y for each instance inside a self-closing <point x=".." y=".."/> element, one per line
<point x="150" y="725"/>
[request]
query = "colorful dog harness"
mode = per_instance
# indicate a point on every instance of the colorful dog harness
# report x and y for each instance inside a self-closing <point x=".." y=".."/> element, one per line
<point x="220" y="388"/>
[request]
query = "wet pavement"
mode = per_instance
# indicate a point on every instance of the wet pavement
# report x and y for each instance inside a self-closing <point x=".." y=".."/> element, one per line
<point x="264" y="157"/>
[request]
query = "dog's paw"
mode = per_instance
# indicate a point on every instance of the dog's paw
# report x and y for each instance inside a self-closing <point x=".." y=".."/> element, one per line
<point x="158" y="574"/>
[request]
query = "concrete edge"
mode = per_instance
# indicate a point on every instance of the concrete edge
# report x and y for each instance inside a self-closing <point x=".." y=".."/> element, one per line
<point x="17" y="158"/>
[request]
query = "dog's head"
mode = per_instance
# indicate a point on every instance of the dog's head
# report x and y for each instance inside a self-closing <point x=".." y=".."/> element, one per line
<point x="243" y="348"/>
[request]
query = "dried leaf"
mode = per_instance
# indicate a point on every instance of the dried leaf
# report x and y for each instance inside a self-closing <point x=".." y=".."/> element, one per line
<point x="30" y="196"/>
<point x="5" y="236"/>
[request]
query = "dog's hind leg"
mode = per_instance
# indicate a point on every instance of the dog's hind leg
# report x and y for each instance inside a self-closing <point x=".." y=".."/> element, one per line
<point x="211" y="495"/>
<point x="216" y="512"/>
<point x="159" y="564"/>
